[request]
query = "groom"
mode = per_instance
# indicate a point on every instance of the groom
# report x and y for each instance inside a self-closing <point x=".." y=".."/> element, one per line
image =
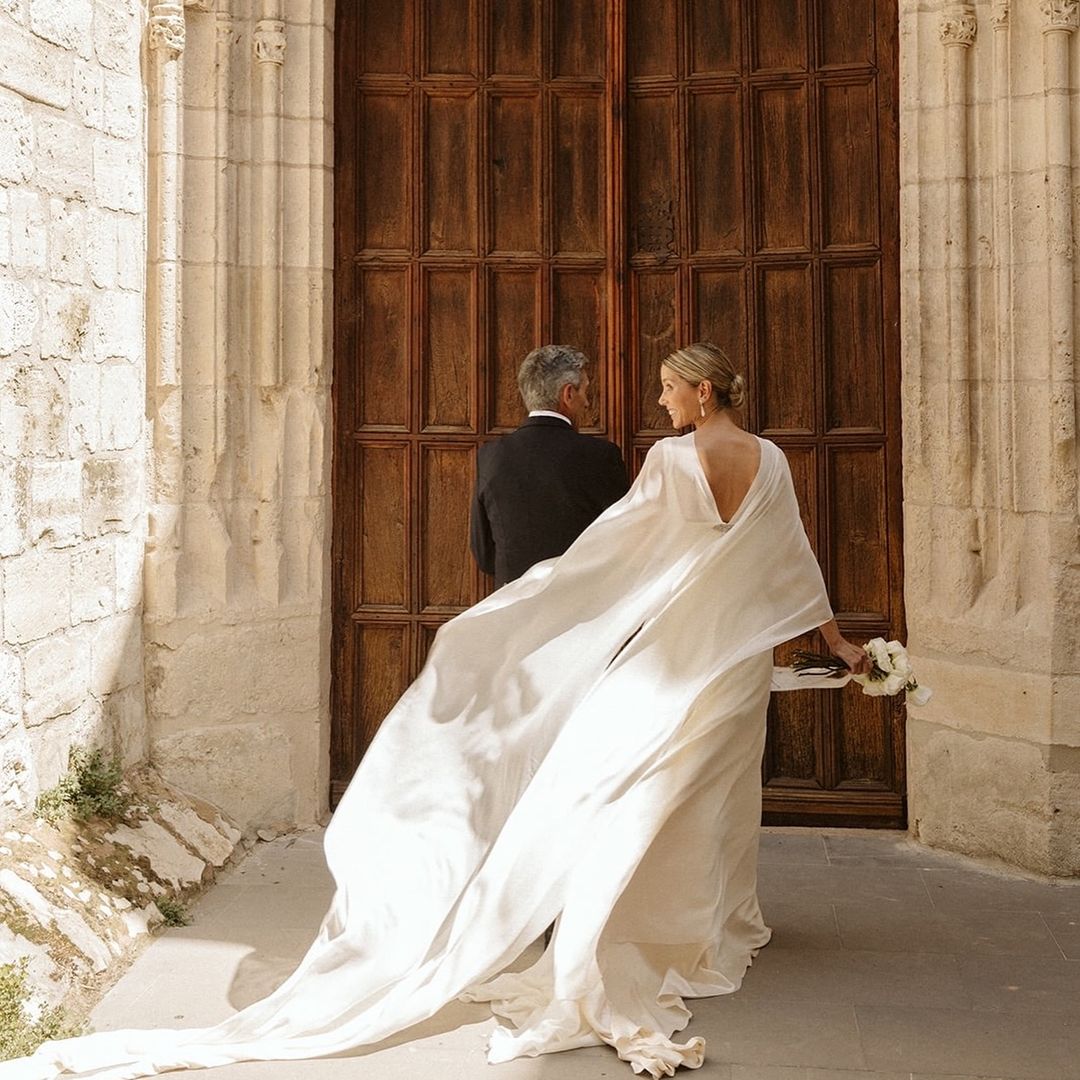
<point x="539" y="487"/>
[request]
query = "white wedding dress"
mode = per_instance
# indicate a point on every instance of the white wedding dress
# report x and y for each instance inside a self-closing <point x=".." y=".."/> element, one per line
<point x="585" y="745"/>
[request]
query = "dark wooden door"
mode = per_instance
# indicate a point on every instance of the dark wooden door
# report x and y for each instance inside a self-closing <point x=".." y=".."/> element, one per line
<point x="623" y="177"/>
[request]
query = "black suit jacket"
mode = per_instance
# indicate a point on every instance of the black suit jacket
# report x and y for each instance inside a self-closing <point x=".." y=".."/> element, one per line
<point x="537" y="489"/>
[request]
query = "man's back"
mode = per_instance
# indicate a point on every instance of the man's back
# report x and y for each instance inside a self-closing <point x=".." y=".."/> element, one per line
<point x="537" y="490"/>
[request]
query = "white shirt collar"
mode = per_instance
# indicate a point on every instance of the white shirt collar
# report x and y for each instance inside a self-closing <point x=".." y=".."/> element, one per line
<point x="547" y="412"/>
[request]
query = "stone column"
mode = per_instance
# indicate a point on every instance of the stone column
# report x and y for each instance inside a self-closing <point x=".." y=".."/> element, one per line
<point x="163" y="305"/>
<point x="992" y="575"/>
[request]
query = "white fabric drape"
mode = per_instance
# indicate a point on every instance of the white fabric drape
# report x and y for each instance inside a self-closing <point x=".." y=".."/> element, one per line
<point x="584" y="744"/>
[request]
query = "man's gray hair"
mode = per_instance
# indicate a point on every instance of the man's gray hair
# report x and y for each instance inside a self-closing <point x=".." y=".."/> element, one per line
<point x="545" y="371"/>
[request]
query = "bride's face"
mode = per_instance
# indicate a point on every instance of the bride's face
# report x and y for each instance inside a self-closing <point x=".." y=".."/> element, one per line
<point x="679" y="397"/>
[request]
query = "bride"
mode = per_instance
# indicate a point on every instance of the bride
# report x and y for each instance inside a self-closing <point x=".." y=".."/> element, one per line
<point x="582" y="747"/>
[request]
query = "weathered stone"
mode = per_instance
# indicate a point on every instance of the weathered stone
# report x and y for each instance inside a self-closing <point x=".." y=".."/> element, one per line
<point x="115" y="653"/>
<point x="33" y="69"/>
<point x="51" y="916"/>
<point x="56" y="673"/>
<point x="172" y="861"/>
<point x="244" y="768"/>
<point x="118" y="329"/>
<point x="112" y="493"/>
<point x="116" y="35"/>
<point x="93" y="580"/>
<point x="63" y="22"/>
<point x="84" y="391"/>
<point x="18" y="777"/>
<point x="125" y="719"/>
<point x="13" y="499"/>
<point x="123" y="106"/>
<point x="17" y="146"/>
<point x="67" y="242"/>
<point x="117" y="174"/>
<point x="66" y="323"/>
<point x="29" y="230"/>
<point x="88" y="93"/>
<point x="55" y="501"/>
<point x="37" y="601"/>
<point x="121" y="411"/>
<point x="18" y="318"/>
<point x="62" y="156"/>
<point x="197" y="833"/>
<point x="130" y="549"/>
<point x="10" y="691"/>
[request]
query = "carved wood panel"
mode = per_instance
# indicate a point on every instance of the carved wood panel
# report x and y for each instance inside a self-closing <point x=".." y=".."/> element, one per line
<point x="624" y="177"/>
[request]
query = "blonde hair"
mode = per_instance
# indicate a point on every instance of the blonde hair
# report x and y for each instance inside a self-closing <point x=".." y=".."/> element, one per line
<point x="704" y="360"/>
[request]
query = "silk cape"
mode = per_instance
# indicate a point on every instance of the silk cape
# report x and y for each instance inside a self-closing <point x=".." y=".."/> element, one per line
<point x="583" y="745"/>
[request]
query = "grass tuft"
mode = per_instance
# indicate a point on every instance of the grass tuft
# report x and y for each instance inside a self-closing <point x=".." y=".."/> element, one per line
<point x="89" y="789"/>
<point x="172" y="911"/>
<point x="19" y="1034"/>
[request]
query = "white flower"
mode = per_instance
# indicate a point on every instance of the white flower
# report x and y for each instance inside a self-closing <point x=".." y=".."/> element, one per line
<point x="878" y="652"/>
<point x="918" y="695"/>
<point x="898" y="657"/>
<point x="871" y="687"/>
<point x="894" y="683"/>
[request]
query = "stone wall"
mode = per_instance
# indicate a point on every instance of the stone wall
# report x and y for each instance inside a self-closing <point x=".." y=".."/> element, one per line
<point x="72" y="363"/>
<point x="237" y="610"/>
<point x="990" y="138"/>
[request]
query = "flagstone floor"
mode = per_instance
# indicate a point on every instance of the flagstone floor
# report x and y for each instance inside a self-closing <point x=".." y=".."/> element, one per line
<point x="888" y="961"/>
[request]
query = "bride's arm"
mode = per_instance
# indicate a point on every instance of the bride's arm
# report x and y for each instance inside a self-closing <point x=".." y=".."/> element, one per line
<point x="855" y="658"/>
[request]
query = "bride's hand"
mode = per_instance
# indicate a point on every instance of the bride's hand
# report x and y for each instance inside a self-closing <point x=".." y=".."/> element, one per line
<point x="856" y="659"/>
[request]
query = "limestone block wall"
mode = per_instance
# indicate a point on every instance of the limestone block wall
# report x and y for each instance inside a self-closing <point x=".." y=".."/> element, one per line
<point x="990" y="142"/>
<point x="237" y="597"/>
<point x="72" y="361"/>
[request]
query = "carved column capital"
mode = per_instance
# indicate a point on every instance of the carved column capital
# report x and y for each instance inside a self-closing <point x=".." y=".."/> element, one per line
<point x="958" y="25"/>
<point x="167" y="30"/>
<point x="1060" y="15"/>
<point x="999" y="17"/>
<point x="270" y="41"/>
<point x="223" y="23"/>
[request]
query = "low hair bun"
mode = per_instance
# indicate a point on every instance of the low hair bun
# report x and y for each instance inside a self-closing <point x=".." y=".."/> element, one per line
<point x="704" y="361"/>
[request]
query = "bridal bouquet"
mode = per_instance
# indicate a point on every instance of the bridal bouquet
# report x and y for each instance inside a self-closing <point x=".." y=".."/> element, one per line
<point x="890" y="670"/>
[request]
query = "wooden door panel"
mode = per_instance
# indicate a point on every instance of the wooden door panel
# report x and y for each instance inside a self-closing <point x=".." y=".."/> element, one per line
<point x="513" y="319"/>
<point x="383" y="494"/>
<point x="449" y="149"/>
<point x="717" y="213"/>
<point x="778" y="35"/>
<point x="652" y="38"/>
<point x="446" y="568"/>
<point x="846" y="33"/>
<point x="785" y="347"/>
<point x="654" y="317"/>
<point x="720" y="304"/>
<point x="624" y="177"/>
<point x="451" y="41"/>
<point x="652" y="131"/>
<point x="847" y="113"/>
<point x="383" y="216"/>
<point x="514" y="127"/>
<point x="852" y="341"/>
<point x="514" y="41"/>
<point x="858" y="533"/>
<point x="448" y="360"/>
<point x="714" y="31"/>
<point x="863" y="741"/>
<point x="580" y="43"/>
<point x="781" y="152"/>
<point x="578" y="175"/>
<point x="379" y="326"/>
